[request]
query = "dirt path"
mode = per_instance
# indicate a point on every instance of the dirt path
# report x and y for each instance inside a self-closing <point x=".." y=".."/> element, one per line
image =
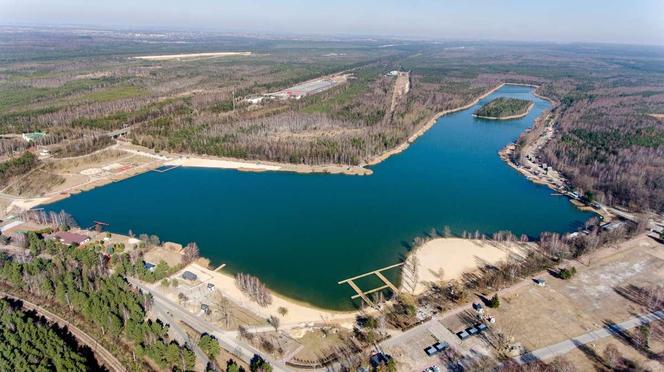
<point x="401" y="88"/>
<point x="104" y="356"/>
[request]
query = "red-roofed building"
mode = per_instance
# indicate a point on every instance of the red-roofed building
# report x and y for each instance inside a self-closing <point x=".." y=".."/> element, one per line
<point x="69" y="238"/>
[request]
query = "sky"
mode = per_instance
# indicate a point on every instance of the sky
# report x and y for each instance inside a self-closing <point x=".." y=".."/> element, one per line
<point x="612" y="21"/>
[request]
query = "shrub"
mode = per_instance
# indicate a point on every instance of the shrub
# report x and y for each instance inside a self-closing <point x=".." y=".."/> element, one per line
<point x="567" y="273"/>
<point x="494" y="302"/>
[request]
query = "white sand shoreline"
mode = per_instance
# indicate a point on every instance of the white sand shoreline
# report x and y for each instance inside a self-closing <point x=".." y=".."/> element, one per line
<point x="298" y="312"/>
<point x="220" y="163"/>
<point x="444" y="259"/>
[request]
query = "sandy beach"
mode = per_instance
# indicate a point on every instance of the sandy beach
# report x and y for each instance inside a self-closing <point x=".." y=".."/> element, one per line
<point x="229" y="163"/>
<point x="219" y="163"/>
<point x="452" y="257"/>
<point x="262" y="166"/>
<point x="297" y="312"/>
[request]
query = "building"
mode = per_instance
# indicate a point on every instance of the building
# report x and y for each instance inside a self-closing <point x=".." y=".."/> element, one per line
<point x="69" y="238"/>
<point x="379" y="359"/>
<point x="188" y="275"/>
<point x="34" y="136"/>
<point x="463" y="335"/>
<point x="255" y="100"/>
<point x="149" y="266"/>
<point x="540" y="282"/>
<point x="611" y="226"/>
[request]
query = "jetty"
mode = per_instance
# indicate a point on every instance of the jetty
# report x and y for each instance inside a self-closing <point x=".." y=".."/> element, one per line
<point x="378" y="273"/>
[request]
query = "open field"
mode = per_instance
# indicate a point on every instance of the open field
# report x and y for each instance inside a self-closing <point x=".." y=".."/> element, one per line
<point x="56" y="178"/>
<point x="604" y="291"/>
<point x="169" y="57"/>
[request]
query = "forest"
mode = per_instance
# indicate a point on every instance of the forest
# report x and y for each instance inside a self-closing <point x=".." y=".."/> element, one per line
<point x="79" y="284"/>
<point x="28" y="343"/>
<point x="17" y="166"/>
<point x="608" y="138"/>
<point x="502" y="107"/>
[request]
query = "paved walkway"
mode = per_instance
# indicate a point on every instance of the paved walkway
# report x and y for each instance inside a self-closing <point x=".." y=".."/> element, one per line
<point x="566" y="346"/>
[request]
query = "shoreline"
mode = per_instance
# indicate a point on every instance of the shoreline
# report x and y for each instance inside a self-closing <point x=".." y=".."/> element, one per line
<point x="300" y="313"/>
<point x="428" y="125"/>
<point x="207" y="161"/>
<point x="511" y="117"/>
<point x="554" y="183"/>
<point x="166" y="159"/>
<point x="445" y="259"/>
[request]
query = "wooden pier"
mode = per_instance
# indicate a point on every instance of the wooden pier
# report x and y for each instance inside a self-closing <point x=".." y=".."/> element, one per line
<point x="364" y="294"/>
<point x="164" y="170"/>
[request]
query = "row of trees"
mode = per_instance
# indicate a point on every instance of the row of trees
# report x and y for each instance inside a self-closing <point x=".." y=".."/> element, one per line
<point x="254" y="288"/>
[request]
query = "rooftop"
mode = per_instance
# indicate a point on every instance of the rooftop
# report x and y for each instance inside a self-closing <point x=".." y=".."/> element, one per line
<point x="70" y="238"/>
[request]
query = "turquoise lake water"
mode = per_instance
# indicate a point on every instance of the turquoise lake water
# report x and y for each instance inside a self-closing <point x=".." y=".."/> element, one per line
<point x="302" y="233"/>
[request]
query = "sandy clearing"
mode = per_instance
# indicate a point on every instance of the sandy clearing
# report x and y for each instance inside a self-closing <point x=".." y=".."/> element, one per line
<point x="401" y="87"/>
<point x="452" y="257"/>
<point x="167" y="57"/>
<point x="297" y="312"/>
<point x="220" y="163"/>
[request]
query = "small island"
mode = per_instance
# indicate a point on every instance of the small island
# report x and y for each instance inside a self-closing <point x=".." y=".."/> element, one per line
<point x="504" y="109"/>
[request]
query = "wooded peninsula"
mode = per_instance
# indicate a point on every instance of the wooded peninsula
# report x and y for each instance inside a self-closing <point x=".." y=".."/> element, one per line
<point x="504" y="108"/>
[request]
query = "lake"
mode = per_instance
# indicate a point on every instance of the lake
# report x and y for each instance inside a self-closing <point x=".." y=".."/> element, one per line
<point x="302" y="233"/>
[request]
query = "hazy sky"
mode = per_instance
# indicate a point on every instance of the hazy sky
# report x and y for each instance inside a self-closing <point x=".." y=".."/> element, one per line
<point x="621" y="21"/>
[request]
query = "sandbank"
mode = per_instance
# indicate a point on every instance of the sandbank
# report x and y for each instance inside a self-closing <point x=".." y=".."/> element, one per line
<point x="452" y="257"/>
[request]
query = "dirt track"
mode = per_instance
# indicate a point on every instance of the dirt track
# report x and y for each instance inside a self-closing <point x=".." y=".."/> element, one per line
<point x="103" y="356"/>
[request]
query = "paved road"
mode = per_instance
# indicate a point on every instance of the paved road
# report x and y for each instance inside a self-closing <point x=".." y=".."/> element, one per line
<point x="181" y="334"/>
<point x="564" y="347"/>
<point x="105" y="357"/>
<point x="8" y="196"/>
<point x="233" y="345"/>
